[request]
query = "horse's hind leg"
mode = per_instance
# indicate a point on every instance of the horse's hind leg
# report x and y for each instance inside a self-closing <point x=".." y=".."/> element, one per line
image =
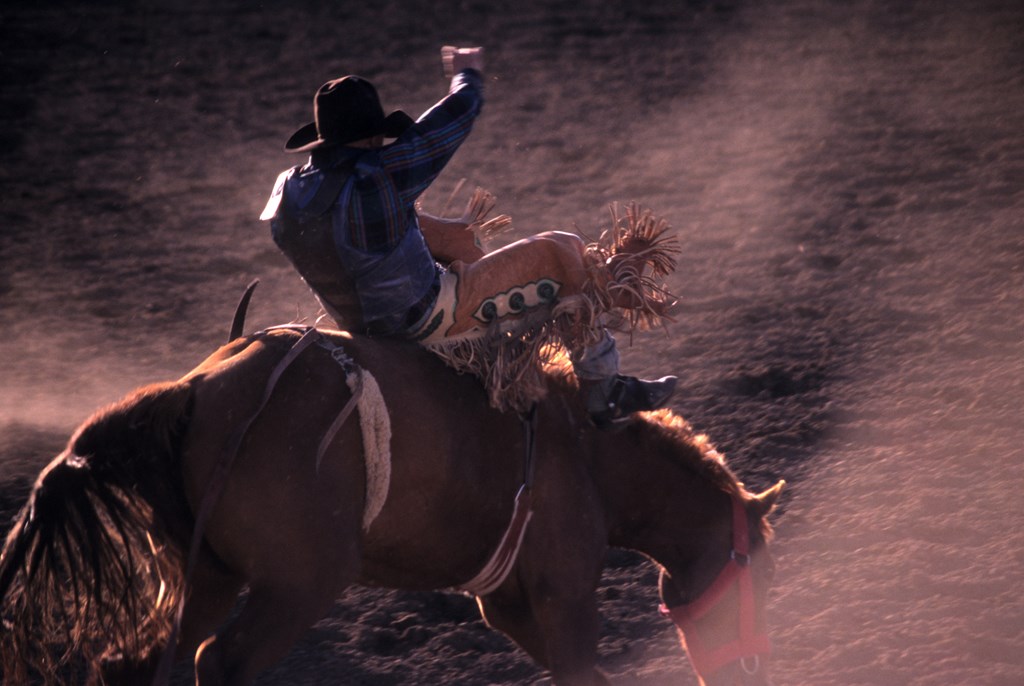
<point x="271" y="621"/>
<point x="210" y="597"/>
<point x="292" y="581"/>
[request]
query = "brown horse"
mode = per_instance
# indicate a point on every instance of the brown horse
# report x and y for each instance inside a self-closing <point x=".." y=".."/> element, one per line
<point x="93" y="568"/>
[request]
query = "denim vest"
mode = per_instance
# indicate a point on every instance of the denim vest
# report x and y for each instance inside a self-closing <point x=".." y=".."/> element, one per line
<point x="361" y="290"/>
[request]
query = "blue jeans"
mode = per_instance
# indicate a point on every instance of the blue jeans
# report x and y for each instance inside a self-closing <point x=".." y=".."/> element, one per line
<point x="597" y="361"/>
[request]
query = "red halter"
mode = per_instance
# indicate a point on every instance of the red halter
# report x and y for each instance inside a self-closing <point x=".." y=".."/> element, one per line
<point x="751" y="642"/>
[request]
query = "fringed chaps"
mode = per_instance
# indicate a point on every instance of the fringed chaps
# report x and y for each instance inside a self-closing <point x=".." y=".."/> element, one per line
<point x="513" y="312"/>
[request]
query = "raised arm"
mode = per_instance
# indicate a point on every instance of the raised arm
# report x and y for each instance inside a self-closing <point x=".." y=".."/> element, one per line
<point x="419" y="155"/>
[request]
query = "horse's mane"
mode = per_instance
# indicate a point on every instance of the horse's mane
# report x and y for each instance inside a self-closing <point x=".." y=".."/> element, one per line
<point x="674" y="436"/>
<point x="668" y="433"/>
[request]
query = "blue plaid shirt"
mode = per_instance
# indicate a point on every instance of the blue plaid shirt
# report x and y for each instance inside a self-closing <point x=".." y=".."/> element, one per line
<point x="373" y="220"/>
<point x="388" y="180"/>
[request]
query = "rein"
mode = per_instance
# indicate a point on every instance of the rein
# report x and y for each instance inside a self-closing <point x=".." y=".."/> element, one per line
<point x="219" y="478"/>
<point x="751" y="643"/>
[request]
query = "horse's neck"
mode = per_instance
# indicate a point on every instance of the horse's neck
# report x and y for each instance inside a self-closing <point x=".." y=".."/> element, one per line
<point x="653" y="498"/>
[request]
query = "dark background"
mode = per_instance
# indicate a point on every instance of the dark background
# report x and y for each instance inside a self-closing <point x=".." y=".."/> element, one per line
<point x="846" y="180"/>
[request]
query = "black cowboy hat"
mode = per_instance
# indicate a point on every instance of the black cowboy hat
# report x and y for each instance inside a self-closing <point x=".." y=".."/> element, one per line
<point x="346" y="110"/>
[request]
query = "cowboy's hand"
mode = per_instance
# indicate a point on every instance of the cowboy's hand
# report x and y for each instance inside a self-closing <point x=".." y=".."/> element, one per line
<point x="456" y="59"/>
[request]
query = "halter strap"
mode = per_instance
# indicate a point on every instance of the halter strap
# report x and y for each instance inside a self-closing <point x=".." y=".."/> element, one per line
<point x="750" y="642"/>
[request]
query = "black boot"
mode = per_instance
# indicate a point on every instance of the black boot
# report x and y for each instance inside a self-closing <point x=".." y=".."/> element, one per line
<point x="611" y="401"/>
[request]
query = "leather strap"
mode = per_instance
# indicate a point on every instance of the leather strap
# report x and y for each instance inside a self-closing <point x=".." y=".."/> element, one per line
<point x="498" y="567"/>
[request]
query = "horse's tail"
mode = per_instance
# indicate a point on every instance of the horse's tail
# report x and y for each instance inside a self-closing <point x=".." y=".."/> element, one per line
<point x="93" y="564"/>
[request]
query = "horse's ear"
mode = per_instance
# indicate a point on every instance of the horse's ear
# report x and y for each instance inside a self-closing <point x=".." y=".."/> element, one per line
<point x="764" y="502"/>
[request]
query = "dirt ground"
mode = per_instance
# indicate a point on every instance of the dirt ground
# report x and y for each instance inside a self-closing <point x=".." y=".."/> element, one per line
<point x="846" y="178"/>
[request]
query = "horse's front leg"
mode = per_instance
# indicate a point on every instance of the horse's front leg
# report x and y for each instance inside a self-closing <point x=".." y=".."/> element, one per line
<point x="548" y="604"/>
<point x="558" y="630"/>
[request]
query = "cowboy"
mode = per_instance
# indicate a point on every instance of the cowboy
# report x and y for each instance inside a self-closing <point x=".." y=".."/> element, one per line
<point x="347" y="221"/>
